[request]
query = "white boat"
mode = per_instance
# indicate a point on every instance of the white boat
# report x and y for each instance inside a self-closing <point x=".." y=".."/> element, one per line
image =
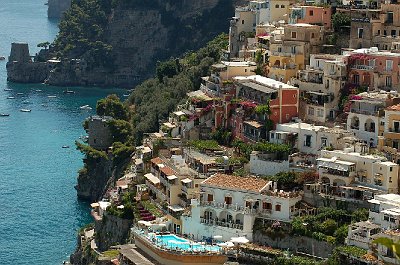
<point x="126" y="95"/>
<point x="19" y="94"/>
<point x="87" y="107"/>
<point x="65" y="146"/>
<point x="26" y="102"/>
<point x="7" y="89"/>
<point x="10" y="97"/>
<point x="4" y="114"/>
<point x="38" y="90"/>
<point x="51" y="96"/>
<point x="25" y="110"/>
<point x="69" y="92"/>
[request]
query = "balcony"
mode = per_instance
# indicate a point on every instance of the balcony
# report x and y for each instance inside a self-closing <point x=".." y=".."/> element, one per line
<point x="222" y="205"/>
<point x="363" y="67"/>
<point x="394" y="130"/>
<point x="216" y="222"/>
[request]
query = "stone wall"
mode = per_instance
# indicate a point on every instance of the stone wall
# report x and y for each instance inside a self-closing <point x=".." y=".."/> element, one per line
<point x="298" y="244"/>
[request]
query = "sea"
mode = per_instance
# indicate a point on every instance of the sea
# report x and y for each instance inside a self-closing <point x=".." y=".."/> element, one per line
<point x="39" y="211"/>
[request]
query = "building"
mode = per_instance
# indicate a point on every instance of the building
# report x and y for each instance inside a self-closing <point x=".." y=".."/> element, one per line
<point x="320" y="84"/>
<point x="230" y="204"/>
<point x="291" y="52"/>
<point x="99" y="132"/>
<point x="366" y="114"/>
<point x="385" y="210"/>
<point x="268" y="164"/>
<point x="389" y="142"/>
<point x="315" y="15"/>
<point x="356" y="176"/>
<point x="374" y="69"/>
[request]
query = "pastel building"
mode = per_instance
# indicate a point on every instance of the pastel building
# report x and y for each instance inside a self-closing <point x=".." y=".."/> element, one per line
<point x="320" y="84"/>
<point x="291" y="52"/>
<point x="315" y="15"/>
<point x="389" y="142"/>
<point x="366" y="115"/>
<point x="230" y="204"/>
<point x="374" y="69"/>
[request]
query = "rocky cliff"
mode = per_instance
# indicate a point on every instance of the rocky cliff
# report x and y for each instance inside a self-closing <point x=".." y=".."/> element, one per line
<point x="56" y="8"/>
<point x="111" y="231"/>
<point x="124" y="46"/>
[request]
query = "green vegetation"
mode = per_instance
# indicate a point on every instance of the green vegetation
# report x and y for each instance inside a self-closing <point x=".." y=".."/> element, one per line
<point x="113" y="107"/>
<point x="154" y="99"/>
<point x="121" y="152"/>
<point x="222" y="136"/>
<point x="328" y="225"/>
<point x="390" y="244"/>
<point x="90" y="153"/>
<point x="121" y="131"/>
<point x="111" y="253"/>
<point x="82" y="32"/>
<point x="152" y="208"/>
<point x="352" y="251"/>
<point x="245" y="149"/>
<point x="204" y="145"/>
<point x="340" y="20"/>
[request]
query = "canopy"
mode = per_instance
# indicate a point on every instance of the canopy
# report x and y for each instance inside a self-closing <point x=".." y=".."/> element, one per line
<point x="186" y="180"/>
<point x="153" y="179"/>
<point x="240" y="240"/>
<point x="172" y="177"/>
<point x="217" y="237"/>
<point x="226" y="244"/>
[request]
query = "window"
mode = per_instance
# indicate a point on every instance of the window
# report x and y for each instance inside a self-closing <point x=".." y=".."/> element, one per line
<point x="294" y="34"/>
<point x="360" y="33"/>
<point x="293" y="49"/>
<point x="390" y="178"/>
<point x="307" y="142"/>
<point x="384" y="33"/>
<point x="228" y="200"/>
<point x="311" y="13"/>
<point x="320" y="113"/>
<point x="379" y="32"/>
<point x="395" y="144"/>
<point x="210" y="197"/>
<point x="276" y="6"/>
<point x="278" y="207"/>
<point x="389" y="65"/>
<point x="396" y="126"/>
<point x="311" y="111"/>
<point x="356" y="79"/>
<point x="242" y="21"/>
<point x="388" y="81"/>
<point x="278" y="136"/>
<point x="279" y="49"/>
<point x="267" y="206"/>
<point x="272" y="135"/>
<point x="389" y="17"/>
<point x="324" y="141"/>
<point x="393" y="33"/>
<point x="386" y="218"/>
<point x="282" y="6"/>
<point x="312" y="35"/>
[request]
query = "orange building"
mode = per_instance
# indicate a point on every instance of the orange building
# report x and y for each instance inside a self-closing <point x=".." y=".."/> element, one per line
<point x="314" y="15"/>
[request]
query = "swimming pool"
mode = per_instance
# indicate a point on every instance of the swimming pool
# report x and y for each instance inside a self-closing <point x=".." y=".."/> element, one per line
<point x="175" y="242"/>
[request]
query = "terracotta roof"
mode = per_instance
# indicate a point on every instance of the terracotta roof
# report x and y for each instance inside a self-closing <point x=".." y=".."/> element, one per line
<point x="156" y="161"/>
<point x="236" y="182"/>
<point x="394" y="107"/>
<point x="167" y="171"/>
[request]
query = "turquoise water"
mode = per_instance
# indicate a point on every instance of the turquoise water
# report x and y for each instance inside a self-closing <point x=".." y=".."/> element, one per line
<point x="175" y="242"/>
<point x="39" y="211"/>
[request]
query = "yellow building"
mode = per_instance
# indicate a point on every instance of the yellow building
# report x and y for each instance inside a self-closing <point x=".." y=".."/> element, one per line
<point x="292" y="51"/>
<point x="280" y="10"/>
<point x="389" y="143"/>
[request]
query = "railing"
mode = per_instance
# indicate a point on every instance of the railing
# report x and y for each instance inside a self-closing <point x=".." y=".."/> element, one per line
<point x="222" y="205"/>
<point x="363" y="67"/>
<point x="221" y="223"/>
<point x="394" y="130"/>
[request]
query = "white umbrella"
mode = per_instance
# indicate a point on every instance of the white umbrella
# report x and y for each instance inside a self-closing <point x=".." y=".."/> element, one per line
<point x="217" y="237"/>
<point x="226" y="244"/>
<point x="240" y="240"/>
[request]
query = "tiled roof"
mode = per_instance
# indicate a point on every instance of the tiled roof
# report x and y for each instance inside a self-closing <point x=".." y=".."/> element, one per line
<point x="156" y="160"/>
<point x="167" y="171"/>
<point x="236" y="182"/>
<point x="394" y="107"/>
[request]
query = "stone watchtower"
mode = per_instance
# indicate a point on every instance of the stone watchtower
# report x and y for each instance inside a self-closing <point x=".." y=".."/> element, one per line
<point x="99" y="132"/>
<point x="19" y="53"/>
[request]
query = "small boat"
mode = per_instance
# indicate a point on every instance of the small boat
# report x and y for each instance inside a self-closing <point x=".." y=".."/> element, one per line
<point x="2" y="58"/>
<point x="25" y="110"/>
<point x="4" y="114"/>
<point x="10" y="97"/>
<point x="126" y="95"/>
<point x="51" y="96"/>
<point x="26" y="102"/>
<point x="65" y="146"/>
<point x="19" y="94"/>
<point x="69" y="92"/>
<point x="38" y="90"/>
<point x="7" y="89"/>
<point x="87" y="107"/>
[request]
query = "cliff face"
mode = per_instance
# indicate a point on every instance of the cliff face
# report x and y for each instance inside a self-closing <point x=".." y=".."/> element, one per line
<point x="138" y="35"/>
<point x="56" y="8"/>
<point x="112" y="230"/>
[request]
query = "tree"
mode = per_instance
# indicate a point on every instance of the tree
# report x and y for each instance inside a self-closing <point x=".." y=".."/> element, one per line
<point x="121" y="130"/>
<point x="44" y="45"/>
<point x="340" y="20"/>
<point x="112" y="106"/>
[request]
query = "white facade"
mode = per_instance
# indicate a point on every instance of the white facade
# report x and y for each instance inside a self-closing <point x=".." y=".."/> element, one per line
<point x="385" y="210"/>
<point x="231" y="212"/>
<point x="266" y="165"/>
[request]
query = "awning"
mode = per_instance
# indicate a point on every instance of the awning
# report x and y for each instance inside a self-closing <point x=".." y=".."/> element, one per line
<point x="94" y="205"/>
<point x="153" y="179"/>
<point x="172" y="177"/>
<point x="176" y="208"/>
<point x="138" y="161"/>
<point x="186" y="180"/>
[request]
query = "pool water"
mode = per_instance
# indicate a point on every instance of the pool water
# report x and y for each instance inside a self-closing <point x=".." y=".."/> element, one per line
<point x="175" y="242"/>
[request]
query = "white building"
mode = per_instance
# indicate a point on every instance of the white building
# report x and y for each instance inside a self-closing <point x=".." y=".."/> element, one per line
<point x="385" y="210"/>
<point x="267" y="164"/>
<point x="230" y="204"/>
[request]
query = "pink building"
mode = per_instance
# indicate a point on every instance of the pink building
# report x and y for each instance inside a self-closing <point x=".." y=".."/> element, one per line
<point x="314" y="15"/>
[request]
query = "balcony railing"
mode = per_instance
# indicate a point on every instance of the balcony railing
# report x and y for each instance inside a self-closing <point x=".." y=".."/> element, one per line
<point x="221" y="205"/>
<point x="216" y="222"/>
<point x="363" y="67"/>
